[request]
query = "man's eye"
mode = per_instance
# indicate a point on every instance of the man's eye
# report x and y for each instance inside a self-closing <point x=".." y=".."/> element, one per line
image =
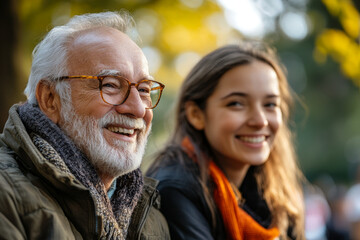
<point x="144" y="90"/>
<point x="112" y="82"/>
<point x="109" y="85"/>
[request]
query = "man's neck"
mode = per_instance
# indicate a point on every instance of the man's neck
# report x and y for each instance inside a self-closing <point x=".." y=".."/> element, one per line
<point x="107" y="181"/>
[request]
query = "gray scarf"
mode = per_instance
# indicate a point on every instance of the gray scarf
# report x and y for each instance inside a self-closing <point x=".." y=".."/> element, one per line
<point x="60" y="150"/>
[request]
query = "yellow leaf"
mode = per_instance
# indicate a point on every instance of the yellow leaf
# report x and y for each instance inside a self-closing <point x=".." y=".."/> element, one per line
<point x="333" y="6"/>
<point x="350" y="19"/>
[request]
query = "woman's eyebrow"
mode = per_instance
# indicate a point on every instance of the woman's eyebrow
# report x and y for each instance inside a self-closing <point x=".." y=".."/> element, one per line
<point x="273" y="96"/>
<point x="240" y="94"/>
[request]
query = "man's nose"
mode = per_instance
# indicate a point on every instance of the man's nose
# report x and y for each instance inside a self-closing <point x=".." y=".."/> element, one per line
<point x="133" y="105"/>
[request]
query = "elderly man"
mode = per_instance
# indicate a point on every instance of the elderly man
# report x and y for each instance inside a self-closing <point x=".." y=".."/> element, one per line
<point x="70" y="155"/>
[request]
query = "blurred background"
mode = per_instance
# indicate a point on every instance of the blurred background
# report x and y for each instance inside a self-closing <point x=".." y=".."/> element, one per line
<point x="317" y="41"/>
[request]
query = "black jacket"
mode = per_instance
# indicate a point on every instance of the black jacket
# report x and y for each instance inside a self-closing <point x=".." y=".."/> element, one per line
<point x="186" y="210"/>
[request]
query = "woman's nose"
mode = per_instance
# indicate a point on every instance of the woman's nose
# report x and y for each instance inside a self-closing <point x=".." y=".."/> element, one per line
<point x="257" y="117"/>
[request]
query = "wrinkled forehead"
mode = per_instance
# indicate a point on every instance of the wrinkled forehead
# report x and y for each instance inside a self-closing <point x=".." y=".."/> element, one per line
<point x="98" y="35"/>
<point x="92" y="50"/>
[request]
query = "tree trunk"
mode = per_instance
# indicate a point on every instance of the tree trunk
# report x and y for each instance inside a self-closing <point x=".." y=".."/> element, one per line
<point x="9" y="26"/>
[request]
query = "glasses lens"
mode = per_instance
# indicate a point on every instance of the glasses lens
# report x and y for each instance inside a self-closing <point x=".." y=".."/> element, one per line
<point x="114" y="89"/>
<point x="149" y="92"/>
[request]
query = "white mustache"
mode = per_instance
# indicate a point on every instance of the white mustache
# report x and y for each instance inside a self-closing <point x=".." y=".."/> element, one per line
<point x="122" y="120"/>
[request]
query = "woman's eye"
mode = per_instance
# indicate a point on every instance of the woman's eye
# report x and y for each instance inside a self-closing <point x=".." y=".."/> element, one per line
<point x="235" y="104"/>
<point x="271" y="105"/>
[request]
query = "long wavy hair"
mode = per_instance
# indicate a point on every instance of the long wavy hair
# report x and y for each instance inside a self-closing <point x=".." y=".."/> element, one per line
<point x="279" y="178"/>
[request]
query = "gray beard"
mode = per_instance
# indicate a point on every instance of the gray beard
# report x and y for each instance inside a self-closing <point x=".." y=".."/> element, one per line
<point x="87" y="133"/>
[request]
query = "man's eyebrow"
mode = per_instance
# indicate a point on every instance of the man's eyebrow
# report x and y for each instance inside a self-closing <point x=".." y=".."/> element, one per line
<point x="109" y="72"/>
<point x="113" y="72"/>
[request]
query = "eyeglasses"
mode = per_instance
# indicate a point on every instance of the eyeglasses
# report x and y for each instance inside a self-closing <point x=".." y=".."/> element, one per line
<point x="115" y="90"/>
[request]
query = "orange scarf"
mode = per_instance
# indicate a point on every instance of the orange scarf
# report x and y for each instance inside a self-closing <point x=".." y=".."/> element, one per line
<point x="239" y="225"/>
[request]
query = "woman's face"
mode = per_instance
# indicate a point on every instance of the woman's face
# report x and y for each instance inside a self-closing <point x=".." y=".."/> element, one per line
<point x="243" y="115"/>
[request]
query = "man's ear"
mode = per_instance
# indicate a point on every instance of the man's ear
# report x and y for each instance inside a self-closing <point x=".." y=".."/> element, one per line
<point x="48" y="100"/>
<point x="195" y="115"/>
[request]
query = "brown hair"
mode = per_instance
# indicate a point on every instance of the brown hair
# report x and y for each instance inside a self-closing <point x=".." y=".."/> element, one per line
<point x="279" y="177"/>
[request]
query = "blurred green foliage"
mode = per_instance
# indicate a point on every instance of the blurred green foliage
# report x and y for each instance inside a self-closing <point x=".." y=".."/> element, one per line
<point x="327" y="131"/>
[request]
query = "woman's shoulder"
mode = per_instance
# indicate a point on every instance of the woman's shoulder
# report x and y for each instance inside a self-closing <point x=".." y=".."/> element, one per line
<point x="177" y="172"/>
<point x="176" y="169"/>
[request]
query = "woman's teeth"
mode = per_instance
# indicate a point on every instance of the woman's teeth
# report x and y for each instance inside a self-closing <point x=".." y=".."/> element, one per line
<point x="253" y="139"/>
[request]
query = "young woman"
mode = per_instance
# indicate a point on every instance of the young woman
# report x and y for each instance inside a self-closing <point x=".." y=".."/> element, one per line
<point x="229" y="170"/>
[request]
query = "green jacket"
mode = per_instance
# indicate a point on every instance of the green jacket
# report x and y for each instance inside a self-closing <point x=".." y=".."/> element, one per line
<point x="37" y="201"/>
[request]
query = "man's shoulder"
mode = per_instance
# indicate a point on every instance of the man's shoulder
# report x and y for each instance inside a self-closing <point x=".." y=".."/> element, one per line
<point x="25" y="202"/>
<point x="10" y="172"/>
<point x="16" y="191"/>
<point x="149" y="194"/>
<point x="150" y="182"/>
<point x="155" y="226"/>
<point x="9" y="168"/>
<point x="147" y="221"/>
<point x="7" y="159"/>
<point x="24" y="190"/>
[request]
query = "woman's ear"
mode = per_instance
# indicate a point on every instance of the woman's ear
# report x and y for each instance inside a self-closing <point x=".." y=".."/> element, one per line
<point x="48" y="100"/>
<point x="195" y="115"/>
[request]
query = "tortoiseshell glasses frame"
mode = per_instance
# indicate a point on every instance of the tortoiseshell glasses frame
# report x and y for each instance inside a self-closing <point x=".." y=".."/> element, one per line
<point x="114" y="90"/>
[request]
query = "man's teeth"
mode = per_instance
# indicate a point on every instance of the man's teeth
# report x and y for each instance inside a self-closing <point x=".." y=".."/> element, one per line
<point x="121" y="130"/>
<point x="253" y="139"/>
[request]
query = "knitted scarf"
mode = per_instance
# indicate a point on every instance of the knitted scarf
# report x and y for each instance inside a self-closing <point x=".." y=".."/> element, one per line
<point x="238" y="224"/>
<point x="61" y="151"/>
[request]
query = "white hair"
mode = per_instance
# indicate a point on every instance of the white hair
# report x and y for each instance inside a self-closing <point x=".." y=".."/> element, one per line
<point x="50" y="55"/>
